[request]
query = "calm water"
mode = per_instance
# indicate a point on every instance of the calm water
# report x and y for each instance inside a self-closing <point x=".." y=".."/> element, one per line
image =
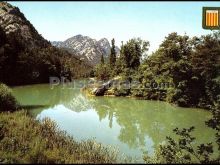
<point x="134" y="126"/>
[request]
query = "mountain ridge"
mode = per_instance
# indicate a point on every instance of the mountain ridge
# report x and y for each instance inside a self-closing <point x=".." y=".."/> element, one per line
<point x="13" y="21"/>
<point x="86" y="48"/>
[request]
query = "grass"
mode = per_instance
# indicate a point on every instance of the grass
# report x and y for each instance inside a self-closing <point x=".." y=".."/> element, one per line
<point x="24" y="139"/>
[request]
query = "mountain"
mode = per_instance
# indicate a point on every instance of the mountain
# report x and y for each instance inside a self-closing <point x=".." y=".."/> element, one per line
<point x="26" y="57"/>
<point x="13" y="22"/>
<point x="86" y="48"/>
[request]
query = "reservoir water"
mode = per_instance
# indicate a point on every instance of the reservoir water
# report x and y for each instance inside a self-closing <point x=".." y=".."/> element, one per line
<point x="133" y="126"/>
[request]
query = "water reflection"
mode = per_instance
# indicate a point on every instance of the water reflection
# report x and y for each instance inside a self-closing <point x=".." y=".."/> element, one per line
<point x="139" y="119"/>
<point x="132" y="125"/>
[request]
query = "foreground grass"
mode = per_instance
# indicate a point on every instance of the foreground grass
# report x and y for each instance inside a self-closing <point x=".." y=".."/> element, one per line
<point x="27" y="140"/>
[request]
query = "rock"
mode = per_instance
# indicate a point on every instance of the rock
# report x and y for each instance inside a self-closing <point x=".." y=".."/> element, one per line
<point x="14" y="23"/>
<point x="100" y="91"/>
<point x="86" y="48"/>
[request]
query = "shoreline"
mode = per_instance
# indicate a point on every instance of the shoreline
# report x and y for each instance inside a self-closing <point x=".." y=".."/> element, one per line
<point x="88" y="91"/>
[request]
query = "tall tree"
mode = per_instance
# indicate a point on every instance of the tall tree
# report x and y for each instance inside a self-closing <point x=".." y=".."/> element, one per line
<point x="112" y="58"/>
<point x="133" y="50"/>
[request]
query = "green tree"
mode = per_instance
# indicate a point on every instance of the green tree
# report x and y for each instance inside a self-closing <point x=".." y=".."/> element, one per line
<point x="132" y="52"/>
<point x="102" y="72"/>
<point x="190" y="65"/>
<point x="206" y="67"/>
<point x="112" y="57"/>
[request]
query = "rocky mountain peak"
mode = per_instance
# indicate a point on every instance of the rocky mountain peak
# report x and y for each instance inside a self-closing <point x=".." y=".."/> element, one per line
<point x="104" y="40"/>
<point x="13" y="22"/>
<point x="86" y="48"/>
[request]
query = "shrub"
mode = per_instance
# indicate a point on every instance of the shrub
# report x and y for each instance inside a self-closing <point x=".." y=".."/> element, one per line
<point x="7" y="100"/>
<point x="121" y="91"/>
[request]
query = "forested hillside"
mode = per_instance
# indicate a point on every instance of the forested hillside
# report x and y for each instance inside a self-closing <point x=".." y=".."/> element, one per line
<point x="26" y="57"/>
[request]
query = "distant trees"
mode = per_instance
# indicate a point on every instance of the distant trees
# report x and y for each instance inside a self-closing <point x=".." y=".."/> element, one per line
<point x="191" y="67"/>
<point x="130" y="57"/>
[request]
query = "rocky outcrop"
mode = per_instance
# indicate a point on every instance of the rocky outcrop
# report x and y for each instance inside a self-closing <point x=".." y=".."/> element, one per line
<point x="14" y="23"/>
<point x="88" y="49"/>
<point x="100" y="91"/>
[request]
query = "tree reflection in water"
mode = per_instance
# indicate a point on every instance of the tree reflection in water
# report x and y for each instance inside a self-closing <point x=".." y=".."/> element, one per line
<point x="143" y="121"/>
<point x="142" y="124"/>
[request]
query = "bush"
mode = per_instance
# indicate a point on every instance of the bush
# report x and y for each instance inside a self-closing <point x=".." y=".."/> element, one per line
<point x="7" y="100"/>
<point x="182" y="151"/>
<point x="121" y="92"/>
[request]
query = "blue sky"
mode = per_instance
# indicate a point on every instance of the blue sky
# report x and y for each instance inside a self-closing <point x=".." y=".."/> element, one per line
<point x="152" y="21"/>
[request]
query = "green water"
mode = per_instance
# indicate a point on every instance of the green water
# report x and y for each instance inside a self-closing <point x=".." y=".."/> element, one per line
<point x="133" y="126"/>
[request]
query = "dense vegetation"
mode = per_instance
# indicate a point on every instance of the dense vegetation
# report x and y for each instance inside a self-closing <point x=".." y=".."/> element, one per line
<point x="184" y="70"/>
<point x="20" y="64"/>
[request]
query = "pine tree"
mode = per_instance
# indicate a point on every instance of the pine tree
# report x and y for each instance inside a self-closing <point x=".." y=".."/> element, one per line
<point x="112" y="59"/>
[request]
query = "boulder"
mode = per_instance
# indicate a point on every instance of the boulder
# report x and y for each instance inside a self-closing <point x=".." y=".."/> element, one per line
<point x="100" y="91"/>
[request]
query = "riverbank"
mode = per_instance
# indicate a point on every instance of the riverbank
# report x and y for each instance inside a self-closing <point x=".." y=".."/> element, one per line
<point x="26" y="140"/>
<point x="115" y="88"/>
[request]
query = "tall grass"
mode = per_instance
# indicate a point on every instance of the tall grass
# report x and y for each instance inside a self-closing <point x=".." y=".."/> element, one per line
<point x="27" y="140"/>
